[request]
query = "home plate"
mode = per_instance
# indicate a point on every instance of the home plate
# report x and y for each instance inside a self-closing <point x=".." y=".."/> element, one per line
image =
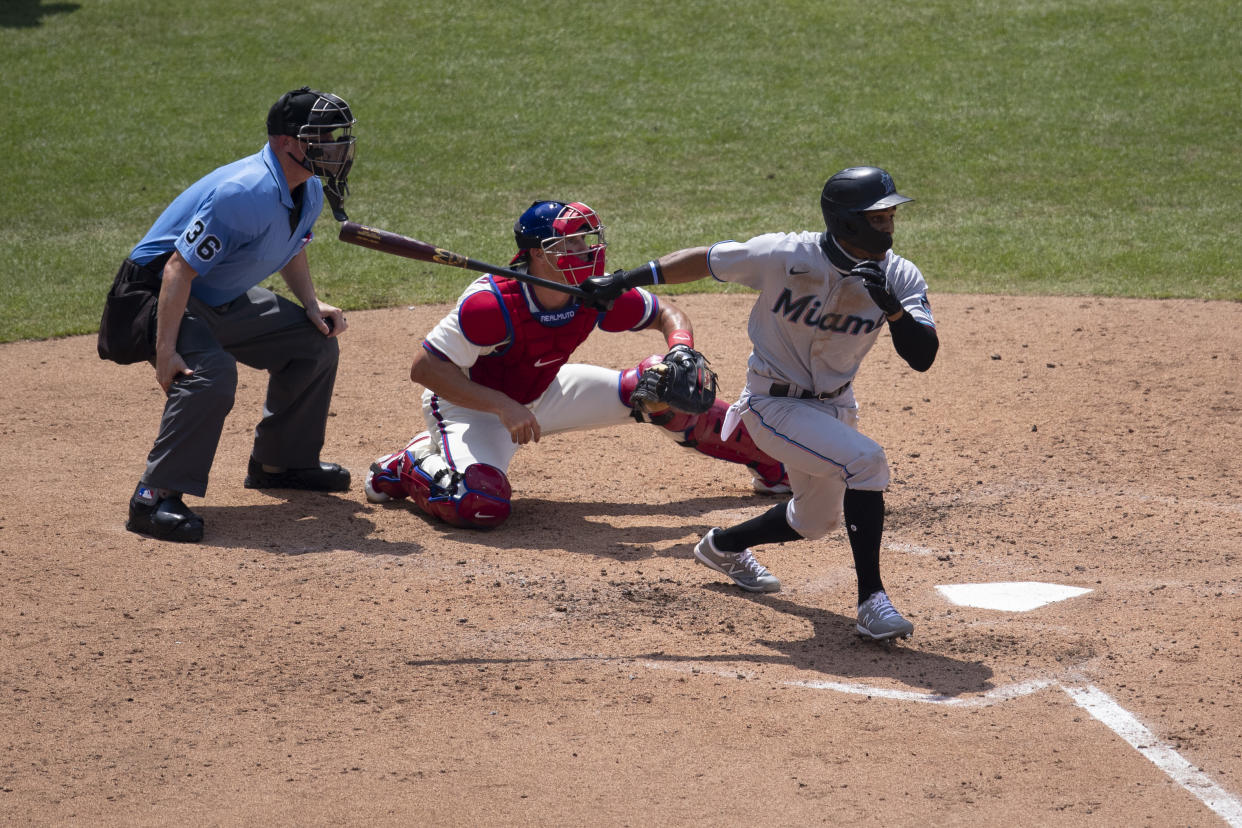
<point x="1019" y="596"/>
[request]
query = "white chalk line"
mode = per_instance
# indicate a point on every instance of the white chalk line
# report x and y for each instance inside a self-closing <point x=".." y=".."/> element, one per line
<point x="1096" y="702"/>
<point x="910" y="548"/>
<point x="991" y="697"/>
<point x="1120" y="721"/>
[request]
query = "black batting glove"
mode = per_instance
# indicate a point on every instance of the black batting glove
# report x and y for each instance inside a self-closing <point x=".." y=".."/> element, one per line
<point x="602" y="291"/>
<point x="872" y="274"/>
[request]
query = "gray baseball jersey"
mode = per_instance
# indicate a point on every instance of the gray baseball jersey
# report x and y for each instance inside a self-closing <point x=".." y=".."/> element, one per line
<point x="813" y="323"/>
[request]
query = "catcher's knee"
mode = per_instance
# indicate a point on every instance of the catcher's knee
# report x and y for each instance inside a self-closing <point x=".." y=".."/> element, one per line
<point x="669" y="390"/>
<point x="675" y="421"/>
<point x="478" y="498"/>
<point x="629" y="379"/>
<point x="484" y="497"/>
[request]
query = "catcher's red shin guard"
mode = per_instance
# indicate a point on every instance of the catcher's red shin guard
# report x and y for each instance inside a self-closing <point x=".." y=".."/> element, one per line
<point x="479" y="498"/>
<point x="703" y="435"/>
<point x="385" y="482"/>
<point x="385" y="478"/>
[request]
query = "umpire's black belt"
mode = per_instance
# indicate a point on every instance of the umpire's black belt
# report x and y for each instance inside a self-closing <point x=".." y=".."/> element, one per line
<point x="784" y="389"/>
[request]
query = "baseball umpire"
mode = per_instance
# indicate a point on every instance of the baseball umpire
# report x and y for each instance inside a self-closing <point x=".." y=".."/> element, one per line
<point x="497" y="375"/>
<point x="206" y="255"/>
<point x="823" y="299"/>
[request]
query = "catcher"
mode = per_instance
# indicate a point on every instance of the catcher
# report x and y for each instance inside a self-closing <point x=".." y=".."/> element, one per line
<point x="497" y="375"/>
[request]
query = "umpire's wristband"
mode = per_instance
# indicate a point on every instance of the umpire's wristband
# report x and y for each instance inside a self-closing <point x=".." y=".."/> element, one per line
<point x="648" y="274"/>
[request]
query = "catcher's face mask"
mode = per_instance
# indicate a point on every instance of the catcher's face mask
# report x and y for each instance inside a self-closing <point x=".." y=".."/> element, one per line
<point x="576" y="248"/>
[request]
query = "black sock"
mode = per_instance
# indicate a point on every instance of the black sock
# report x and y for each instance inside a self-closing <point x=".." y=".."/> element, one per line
<point x="864" y="521"/>
<point x="769" y="527"/>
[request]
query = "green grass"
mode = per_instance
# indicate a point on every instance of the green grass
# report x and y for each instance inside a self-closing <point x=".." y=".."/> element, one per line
<point x="1085" y="147"/>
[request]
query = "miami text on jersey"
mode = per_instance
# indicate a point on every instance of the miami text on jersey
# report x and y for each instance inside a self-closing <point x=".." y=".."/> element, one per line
<point x="807" y="306"/>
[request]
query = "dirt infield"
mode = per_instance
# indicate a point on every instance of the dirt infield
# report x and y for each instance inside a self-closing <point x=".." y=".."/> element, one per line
<point x="321" y="660"/>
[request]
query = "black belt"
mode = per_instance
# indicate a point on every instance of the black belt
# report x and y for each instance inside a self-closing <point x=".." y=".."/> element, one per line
<point x="783" y="389"/>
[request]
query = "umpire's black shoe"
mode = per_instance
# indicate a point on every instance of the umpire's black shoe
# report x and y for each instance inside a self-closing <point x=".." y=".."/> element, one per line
<point x="326" y="477"/>
<point x="163" y="518"/>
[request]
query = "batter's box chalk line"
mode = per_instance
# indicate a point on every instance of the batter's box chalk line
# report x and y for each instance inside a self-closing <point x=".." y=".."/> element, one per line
<point x="910" y="548"/>
<point x="1102" y="707"/>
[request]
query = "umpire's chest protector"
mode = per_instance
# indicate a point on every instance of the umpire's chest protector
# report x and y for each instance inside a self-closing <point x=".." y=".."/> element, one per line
<point x="538" y="343"/>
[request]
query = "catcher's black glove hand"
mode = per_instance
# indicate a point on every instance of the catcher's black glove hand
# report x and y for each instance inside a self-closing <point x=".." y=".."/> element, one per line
<point x="872" y="274"/>
<point x="682" y="382"/>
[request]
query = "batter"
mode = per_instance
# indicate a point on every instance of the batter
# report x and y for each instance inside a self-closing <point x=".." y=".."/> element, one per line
<point x="823" y="299"/>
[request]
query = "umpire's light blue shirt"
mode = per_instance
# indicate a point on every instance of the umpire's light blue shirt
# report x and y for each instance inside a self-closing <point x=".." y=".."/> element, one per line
<point x="233" y="227"/>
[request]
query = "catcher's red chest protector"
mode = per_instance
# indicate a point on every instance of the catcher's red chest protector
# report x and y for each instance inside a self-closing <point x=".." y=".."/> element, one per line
<point x="537" y="347"/>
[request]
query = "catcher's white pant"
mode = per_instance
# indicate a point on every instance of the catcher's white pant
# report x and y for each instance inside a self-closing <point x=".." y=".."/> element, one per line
<point x="581" y="397"/>
<point x="823" y="452"/>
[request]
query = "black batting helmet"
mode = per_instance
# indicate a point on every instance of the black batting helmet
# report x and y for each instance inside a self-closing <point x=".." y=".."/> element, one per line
<point x="852" y="192"/>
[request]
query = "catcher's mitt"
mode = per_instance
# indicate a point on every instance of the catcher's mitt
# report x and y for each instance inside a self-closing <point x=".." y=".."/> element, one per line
<point x="682" y="382"/>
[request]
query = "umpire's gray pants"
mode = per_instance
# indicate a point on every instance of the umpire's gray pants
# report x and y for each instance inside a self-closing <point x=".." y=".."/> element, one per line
<point x="264" y="331"/>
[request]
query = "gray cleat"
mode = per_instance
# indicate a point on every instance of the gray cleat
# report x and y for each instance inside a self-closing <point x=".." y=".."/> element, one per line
<point x="878" y="620"/>
<point x="742" y="567"/>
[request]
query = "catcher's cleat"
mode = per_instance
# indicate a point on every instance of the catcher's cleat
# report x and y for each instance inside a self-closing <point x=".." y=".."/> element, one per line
<point x="163" y="518"/>
<point x="878" y="620"/>
<point x="742" y="567"/>
<point x="780" y="487"/>
<point x="383" y="481"/>
<point x="326" y="477"/>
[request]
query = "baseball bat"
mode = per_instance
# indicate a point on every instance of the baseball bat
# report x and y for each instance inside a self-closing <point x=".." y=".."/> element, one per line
<point x="399" y="245"/>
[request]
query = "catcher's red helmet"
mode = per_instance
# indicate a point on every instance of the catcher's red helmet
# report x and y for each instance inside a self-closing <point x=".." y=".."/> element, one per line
<point x="571" y="234"/>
